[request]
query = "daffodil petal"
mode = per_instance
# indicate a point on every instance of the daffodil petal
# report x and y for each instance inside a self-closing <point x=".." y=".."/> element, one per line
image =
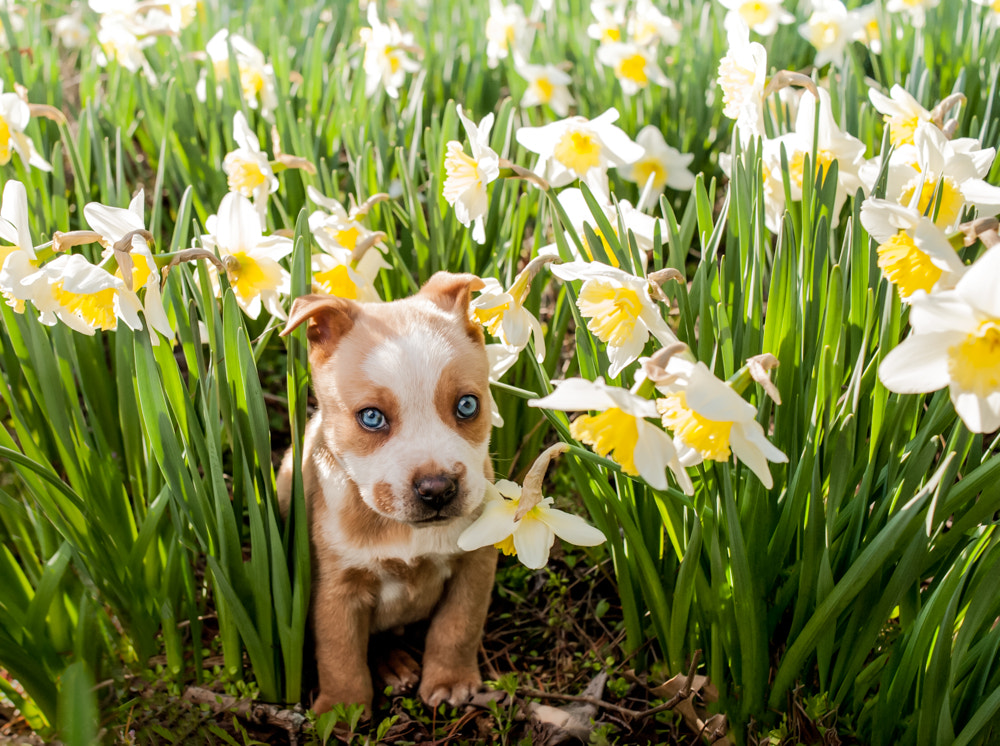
<point x="532" y="541"/>
<point x="571" y="528"/>
<point x="919" y="364"/>
<point x="495" y="524"/>
<point x="980" y="414"/>
<point x="979" y="286"/>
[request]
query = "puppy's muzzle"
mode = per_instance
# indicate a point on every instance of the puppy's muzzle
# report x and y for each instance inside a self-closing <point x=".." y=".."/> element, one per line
<point x="435" y="492"/>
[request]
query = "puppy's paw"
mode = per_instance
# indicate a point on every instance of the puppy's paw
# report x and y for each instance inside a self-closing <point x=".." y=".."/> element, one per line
<point x="453" y="687"/>
<point x="400" y="671"/>
<point x="326" y="701"/>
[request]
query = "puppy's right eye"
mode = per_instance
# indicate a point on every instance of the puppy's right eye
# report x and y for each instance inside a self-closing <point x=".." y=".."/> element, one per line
<point x="372" y="419"/>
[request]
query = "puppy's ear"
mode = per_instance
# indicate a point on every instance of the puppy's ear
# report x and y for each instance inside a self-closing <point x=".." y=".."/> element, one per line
<point x="453" y="292"/>
<point x="329" y="317"/>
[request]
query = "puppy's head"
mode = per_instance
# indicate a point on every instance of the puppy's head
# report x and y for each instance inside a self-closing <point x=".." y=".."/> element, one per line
<point x="403" y="390"/>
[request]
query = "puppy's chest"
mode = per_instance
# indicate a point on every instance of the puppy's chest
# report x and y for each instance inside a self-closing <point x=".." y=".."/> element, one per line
<point x="409" y="591"/>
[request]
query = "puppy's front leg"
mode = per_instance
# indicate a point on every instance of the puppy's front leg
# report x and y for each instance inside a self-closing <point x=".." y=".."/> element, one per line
<point x="451" y="670"/>
<point x="342" y="621"/>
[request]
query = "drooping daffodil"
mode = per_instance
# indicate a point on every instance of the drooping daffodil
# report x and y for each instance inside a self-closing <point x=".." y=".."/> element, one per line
<point x="503" y="314"/>
<point x="519" y="520"/>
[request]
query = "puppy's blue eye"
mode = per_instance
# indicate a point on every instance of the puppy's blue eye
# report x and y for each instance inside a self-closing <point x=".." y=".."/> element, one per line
<point x="371" y="419"/>
<point x="468" y="406"/>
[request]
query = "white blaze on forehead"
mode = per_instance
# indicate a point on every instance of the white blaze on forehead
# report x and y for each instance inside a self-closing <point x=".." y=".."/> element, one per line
<point x="410" y="365"/>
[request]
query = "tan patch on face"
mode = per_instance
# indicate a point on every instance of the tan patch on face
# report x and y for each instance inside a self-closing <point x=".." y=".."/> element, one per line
<point x="366" y="527"/>
<point x="383" y="497"/>
<point x="466" y="374"/>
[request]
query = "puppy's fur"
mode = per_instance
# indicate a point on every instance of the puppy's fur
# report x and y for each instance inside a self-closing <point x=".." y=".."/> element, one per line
<point x="384" y="554"/>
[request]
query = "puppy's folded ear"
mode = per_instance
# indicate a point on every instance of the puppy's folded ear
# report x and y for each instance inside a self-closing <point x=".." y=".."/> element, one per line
<point x="329" y="317"/>
<point x="453" y="293"/>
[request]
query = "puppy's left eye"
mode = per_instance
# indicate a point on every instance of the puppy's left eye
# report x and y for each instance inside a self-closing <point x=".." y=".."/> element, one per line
<point x="467" y="407"/>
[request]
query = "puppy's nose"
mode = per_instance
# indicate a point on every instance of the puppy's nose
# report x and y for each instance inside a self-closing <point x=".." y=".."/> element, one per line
<point x="435" y="491"/>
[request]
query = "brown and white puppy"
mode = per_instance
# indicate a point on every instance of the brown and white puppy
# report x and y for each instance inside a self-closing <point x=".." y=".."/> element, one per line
<point x="395" y="464"/>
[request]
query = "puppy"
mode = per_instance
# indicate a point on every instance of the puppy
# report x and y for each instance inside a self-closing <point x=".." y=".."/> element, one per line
<point x="395" y="465"/>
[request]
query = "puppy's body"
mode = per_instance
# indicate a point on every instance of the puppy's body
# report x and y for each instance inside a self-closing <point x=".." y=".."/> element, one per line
<point x="386" y="504"/>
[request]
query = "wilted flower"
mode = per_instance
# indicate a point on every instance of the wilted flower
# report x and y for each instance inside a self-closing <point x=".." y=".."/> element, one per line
<point x="578" y="148"/>
<point x="547" y="84"/>
<point x="620" y="431"/>
<point x="955" y="342"/>
<point x="710" y="421"/>
<point x="634" y="66"/>
<point x="659" y="167"/>
<point x="466" y="177"/>
<point x="386" y="62"/>
<point x="250" y="258"/>
<point x="761" y="16"/>
<point x="619" y="308"/>
<point x="913" y="253"/>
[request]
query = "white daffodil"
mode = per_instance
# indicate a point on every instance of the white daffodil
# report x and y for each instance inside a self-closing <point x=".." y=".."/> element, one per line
<point x="250" y="258"/>
<point x="619" y="310"/>
<point x="114" y="224"/>
<point x="830" y="29"/>
<point x="742" y="76"/>
<point x="761" y="16"/>
<point x="609" y="17"/>
<point x="256" y="74"/>
<point x="14" y="117"/>
<point x="336" y="276"/>
<point x="647" y="26"/>
<point x="915" y="9"/>
<point x="710" y="420"/>
<point x="547" y="84"/>
<point x="901" y="113"/>
<point x="634" y="66"/>
<point x="505" y="29"/>
<point x="386" y="62"/>
<point x="913" y="253"/>
<point x="503" y="314"/>
<point x="864" y="21"/>
<point x="71" y="31"/>
<point x="578" y="148"/>
<point x="660" y="166"/>
<point x="948" y="173"/>
<point x="578" y="212"/>
<point x="466" y="177"/>
<point x="831" y="143"/>
<point x="620" y="431"/>
<point x="531" y="537"/>
<point x="955" y="342"/>
<point x="83" y="296"/>
<point x="118" y="40"/>
<point x="248" y="169"/>
<point x="17" y="261"/>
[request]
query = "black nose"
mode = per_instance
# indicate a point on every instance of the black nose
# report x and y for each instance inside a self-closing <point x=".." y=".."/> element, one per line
<point x="436" y="491"/>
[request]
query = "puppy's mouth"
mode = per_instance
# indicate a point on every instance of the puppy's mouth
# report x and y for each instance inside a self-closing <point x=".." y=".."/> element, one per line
<point x="433" y="520"/>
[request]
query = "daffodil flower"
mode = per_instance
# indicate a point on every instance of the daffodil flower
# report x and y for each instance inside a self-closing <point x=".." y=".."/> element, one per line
<point x="71" y="31"/>
<point x="761" y="16"/>
<point x="531" y="537"/>
<point x="385" y="62"/>
<point x="901" y="113"/>
<point x="742" y="76"/>
<point x="647" y="26"/>
<point x="17" y="261"/>
<point x="864" y="21"/>
<point x="830" y="29"/>
<point x="710" y="421"/>
<point x="578" y="148"/>
<point x="114" y="224"/>
<point x="503" y="314"/>
<point x="660" y="166"/>
<point x="634" y="66"/>
<point x="547" y="84"/>
<point x="913" y="253"/>
<point x="248" y="169"/>
<point x="955" y="342"/>
<point x="14" y="117"/>
<point x="915" y="9"/>
<point x="505" y="29"/>
<point x="992" y="11"/>
<point x="620" y="431"/>
<point x="609" y="17"/>
<point x="466" y="177"/>
<point x="119" y="40"/>
<point x="256" y="74"/>
<point x="619" y="308"/>
<point x="250" y="258"/>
